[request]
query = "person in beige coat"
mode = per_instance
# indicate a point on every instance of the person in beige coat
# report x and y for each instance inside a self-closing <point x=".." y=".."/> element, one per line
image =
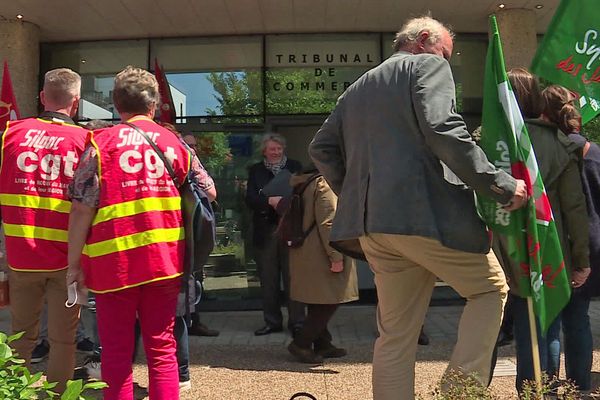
<point x="320" y="277"/>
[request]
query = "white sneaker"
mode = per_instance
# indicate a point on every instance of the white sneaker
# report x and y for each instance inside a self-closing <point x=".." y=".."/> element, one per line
<point x="92" y="367"/>
<point x="185" y="385"/>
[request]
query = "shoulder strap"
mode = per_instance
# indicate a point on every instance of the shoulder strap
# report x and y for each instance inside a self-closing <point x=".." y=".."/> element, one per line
<point x="301" y="188"/>
<point x="158" y="151"/>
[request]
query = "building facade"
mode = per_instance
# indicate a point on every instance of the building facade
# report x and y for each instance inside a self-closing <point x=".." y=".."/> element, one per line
<point x="239" y="68"/>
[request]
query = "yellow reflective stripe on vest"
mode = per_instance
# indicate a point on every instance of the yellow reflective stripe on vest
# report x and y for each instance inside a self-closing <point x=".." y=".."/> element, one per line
<point x="133" y="241"/>
<point x="137" y="207"/>
<point x="36" y="232"/>
<point x="44" y="203"/>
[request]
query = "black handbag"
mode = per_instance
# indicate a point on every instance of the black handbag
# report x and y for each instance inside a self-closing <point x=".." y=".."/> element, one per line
<point x="198" y="219"/>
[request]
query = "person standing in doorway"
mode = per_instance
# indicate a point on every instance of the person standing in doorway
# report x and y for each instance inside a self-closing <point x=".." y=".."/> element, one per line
<point x="270" y="254"/>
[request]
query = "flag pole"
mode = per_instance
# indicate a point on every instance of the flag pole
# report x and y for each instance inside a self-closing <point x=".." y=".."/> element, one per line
<point x="535" y="349"/>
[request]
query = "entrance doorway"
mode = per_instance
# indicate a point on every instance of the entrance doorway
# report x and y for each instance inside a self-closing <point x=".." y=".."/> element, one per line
<point x="230" y="276"/>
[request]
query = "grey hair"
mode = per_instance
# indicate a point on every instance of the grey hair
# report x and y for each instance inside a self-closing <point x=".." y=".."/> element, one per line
<point x="412" y="29"/>
<point x="271" y="137"/>
<point x="135" y="91"/>
<point x="61" y="86"/>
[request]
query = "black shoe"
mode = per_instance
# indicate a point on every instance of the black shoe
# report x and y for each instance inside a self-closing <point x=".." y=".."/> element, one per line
<point x="40" y="352"/>
<point x="295" y="330"/>
<point x="200" y="329"/>
<point x="504" y="339"/>
<point x="423" y="338"/>
<point x="303" y="355"/>
<point x="330" y="351"/>
<point x="85" y="346"/>
<point x="265" y="330"/>
<point x="92" y="366"/>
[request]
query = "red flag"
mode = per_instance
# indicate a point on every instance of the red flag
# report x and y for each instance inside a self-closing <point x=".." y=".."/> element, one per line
<point x="8" y="104"/>
<point x="167" y="108"/>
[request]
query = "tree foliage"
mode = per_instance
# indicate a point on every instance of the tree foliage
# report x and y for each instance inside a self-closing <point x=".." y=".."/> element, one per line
<point x="592" y="130"/>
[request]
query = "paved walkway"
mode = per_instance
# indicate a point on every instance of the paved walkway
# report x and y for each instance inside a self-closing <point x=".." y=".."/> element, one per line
<point x="238" y="365"/>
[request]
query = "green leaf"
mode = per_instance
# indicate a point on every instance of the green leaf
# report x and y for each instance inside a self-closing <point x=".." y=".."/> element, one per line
<point x="5" y="351"/>
<point x="73" y="390"/>
<point x="3" y="337"/>
<point x="95" y="385"/>
<point x="14" y="337"/>
<point x="35" y="377"/>
<point x="49" y="385"/>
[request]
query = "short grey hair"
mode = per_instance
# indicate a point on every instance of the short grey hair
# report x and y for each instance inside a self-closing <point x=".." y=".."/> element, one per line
<point x="135" y="91"/>
<point x="61" y="86"/>
<point x="271" y="137"/>
<point x="412" y="29"/>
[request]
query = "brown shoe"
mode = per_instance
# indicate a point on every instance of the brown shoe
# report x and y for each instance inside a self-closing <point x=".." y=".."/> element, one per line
<point x="330" y="351"/>
<point x="200" y="329"/>
<point x="303" y="355"/>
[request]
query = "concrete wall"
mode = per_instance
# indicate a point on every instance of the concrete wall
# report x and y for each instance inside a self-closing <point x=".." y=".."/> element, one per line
<point x="20" y="47"/>
<point x="517" y="31"/>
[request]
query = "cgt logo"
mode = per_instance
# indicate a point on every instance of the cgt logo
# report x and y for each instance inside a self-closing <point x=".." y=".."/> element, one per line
<point x="49" y="165"/>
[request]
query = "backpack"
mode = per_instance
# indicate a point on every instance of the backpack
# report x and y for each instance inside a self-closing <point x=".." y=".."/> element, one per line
<point x="290" y="229"/>
<point x="199" y="225"/>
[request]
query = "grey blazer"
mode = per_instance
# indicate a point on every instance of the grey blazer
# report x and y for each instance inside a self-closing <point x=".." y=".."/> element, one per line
<point x="397" y="153"/>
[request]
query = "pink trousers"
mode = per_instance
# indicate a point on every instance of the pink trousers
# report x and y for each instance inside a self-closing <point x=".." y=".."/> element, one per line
<point x="154" y="305"/>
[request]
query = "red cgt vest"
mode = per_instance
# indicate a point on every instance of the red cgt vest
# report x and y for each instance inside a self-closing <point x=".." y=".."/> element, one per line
<point x="137" y="235"/>
<point x="38" y="160"/>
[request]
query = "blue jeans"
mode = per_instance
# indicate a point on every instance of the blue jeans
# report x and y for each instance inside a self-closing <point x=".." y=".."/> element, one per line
<point x="183" y="351"/>
<point x="549" y="346"/>
<point x="578" y="340"/>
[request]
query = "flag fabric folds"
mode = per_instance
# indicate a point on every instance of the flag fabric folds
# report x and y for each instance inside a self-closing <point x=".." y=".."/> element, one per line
<point x="8" y="104"/>
<point x="530" y="232"/>
<point x="167" y="107"/>
<point x="569" y="54"/>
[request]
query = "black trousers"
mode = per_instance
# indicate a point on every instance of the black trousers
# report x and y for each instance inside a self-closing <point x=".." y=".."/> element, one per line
<point x="272" y="264"/>
<point x="314" y="331"/>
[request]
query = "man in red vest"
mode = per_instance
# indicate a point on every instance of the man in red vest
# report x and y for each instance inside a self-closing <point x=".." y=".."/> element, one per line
<point x="126" y="220"/>
<point x="39" y="157"/>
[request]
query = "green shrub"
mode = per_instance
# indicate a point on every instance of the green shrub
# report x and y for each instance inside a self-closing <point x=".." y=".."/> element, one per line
<point x="16" y="382"/>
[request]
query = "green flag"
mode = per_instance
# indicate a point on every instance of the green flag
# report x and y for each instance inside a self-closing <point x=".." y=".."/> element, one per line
<point x="530" y="232"/>
<point x="570" y="52"/>
<point x="589" y="109"/>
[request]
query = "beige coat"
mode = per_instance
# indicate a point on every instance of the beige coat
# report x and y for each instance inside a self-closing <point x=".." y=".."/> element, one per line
<point x="311" y="280"/>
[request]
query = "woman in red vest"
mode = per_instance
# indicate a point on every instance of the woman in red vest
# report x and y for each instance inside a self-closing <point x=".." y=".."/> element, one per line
<point x="128" y="225"/>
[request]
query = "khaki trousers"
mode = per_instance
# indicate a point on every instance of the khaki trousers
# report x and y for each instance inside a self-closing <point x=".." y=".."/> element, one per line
<point x="405" y="270"/>
<point x="28" y="291"/>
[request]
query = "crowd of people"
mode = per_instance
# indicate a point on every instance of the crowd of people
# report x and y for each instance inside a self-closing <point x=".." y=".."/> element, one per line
<point x="393" y="181"/>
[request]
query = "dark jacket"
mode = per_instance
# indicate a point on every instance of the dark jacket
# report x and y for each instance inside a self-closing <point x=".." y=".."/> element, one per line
<point x="264" y="217"/>
<point x="590" y="179"/>
<point x="390" y="150"/>
<point x="558" y="162"/>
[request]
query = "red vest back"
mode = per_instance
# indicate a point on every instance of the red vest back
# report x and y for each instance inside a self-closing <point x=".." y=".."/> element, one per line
<point x="137" y="236"/>
<point x="39" y="158"/>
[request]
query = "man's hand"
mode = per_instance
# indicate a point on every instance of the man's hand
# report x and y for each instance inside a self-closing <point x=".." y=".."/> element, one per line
<point x="580" y="276"/>
<point x="274" y="200"/>
<point x="337" y="266"/>
<point x="520" y="197"/>
<point x="75" y="274"/>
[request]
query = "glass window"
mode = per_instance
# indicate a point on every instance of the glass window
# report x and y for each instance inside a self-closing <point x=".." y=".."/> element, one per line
<point x="97" y="63"/>
<point x="307" y="73"/>
<point x="231" y="271"/>
<point x="213" y="76"/>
